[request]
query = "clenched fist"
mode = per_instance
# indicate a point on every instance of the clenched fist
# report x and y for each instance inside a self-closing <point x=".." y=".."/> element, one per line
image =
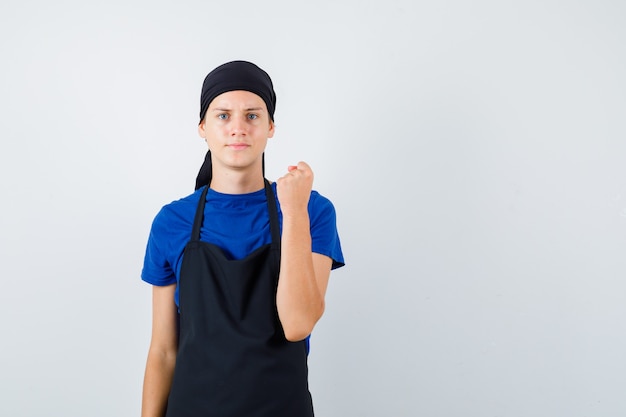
<point x="294" y="188"/>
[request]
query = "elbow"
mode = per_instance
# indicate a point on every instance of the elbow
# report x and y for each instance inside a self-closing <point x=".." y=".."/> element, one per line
<point x="296" y="336"/>
<point x="299" y="329"/>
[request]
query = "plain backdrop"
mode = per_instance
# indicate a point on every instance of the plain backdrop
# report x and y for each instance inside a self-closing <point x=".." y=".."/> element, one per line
<point x="474" y="150"/>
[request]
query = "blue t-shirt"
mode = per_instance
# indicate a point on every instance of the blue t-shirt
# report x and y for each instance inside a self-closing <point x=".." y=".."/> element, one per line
<point x="237" y="223"/>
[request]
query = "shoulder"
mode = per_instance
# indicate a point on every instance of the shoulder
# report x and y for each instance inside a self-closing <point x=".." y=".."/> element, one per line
<point x="320" y="205"/>
<point x="177" y="213"/>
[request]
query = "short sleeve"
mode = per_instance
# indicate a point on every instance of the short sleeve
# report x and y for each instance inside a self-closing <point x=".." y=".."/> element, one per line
<point x="157" y="270"/>
<point x="324" y="234"/>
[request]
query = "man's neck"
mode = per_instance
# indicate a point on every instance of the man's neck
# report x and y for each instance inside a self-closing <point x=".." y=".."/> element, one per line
<point x="234" y="182"/>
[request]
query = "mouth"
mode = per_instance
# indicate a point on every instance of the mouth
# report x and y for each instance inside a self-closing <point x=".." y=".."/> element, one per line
<point x="238" y="146"/>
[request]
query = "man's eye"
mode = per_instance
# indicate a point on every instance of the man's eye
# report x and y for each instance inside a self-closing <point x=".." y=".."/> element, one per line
<point x="253" y="116"/>
<point x="222" y="116"/>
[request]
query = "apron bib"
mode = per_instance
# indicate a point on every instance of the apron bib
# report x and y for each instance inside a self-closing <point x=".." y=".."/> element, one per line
<point x="233" y="359"/>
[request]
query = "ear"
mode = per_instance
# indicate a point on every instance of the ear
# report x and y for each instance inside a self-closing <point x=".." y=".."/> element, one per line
<point x="270" y="134"/>
<point x="201" y="130"/>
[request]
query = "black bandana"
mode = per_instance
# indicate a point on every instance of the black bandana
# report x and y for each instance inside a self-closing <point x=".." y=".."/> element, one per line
<point x="237" y="75"/>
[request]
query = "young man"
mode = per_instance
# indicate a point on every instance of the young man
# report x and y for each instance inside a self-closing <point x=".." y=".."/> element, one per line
<point x="239" y="268"/>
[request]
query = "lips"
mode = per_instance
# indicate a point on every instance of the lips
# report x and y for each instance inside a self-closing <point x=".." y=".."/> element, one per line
<point x="238" y="146"/>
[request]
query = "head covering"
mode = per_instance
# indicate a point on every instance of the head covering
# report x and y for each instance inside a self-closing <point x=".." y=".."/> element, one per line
<point x="237" y="75"/>
<point x="231" y="76"/>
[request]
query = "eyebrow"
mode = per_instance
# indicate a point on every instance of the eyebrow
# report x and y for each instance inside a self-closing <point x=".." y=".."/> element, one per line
<point x="248" y="109"/>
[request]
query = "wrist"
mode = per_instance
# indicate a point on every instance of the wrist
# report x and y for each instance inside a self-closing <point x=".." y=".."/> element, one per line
<point x="295" y="215"/>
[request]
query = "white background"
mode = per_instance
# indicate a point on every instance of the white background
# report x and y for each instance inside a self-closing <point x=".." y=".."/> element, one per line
<point x="475" y="153"/>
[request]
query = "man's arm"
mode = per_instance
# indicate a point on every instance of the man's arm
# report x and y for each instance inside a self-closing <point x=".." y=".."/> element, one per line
<point x="303" y="274"/>
<point x="162" y="353"/>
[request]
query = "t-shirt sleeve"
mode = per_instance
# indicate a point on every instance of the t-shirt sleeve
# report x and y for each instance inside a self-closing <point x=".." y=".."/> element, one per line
<point x="157" y="270"/>
<point x="324" y="234"/>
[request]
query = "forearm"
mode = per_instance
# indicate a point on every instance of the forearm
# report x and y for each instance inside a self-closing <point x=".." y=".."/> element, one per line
<point x="299" y="300"/>
<point x="157" y="382"/>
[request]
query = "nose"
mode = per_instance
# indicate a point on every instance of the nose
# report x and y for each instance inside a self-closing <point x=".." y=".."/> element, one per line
<point x="237" y="126"/>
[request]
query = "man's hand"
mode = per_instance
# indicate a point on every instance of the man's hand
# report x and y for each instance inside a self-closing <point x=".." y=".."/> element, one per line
<point x="294" y="188"/>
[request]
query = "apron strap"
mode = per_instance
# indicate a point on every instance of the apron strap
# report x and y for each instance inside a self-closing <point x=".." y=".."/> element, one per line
<point x="271" y="203"/>
<point x="197" y="222"/>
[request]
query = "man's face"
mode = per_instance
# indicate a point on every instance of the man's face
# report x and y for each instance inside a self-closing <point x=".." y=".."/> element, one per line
<point x="236" y="128"/>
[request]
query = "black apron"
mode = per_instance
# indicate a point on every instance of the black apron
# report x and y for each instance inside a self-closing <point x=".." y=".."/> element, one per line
<point x="233" y="359"/>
